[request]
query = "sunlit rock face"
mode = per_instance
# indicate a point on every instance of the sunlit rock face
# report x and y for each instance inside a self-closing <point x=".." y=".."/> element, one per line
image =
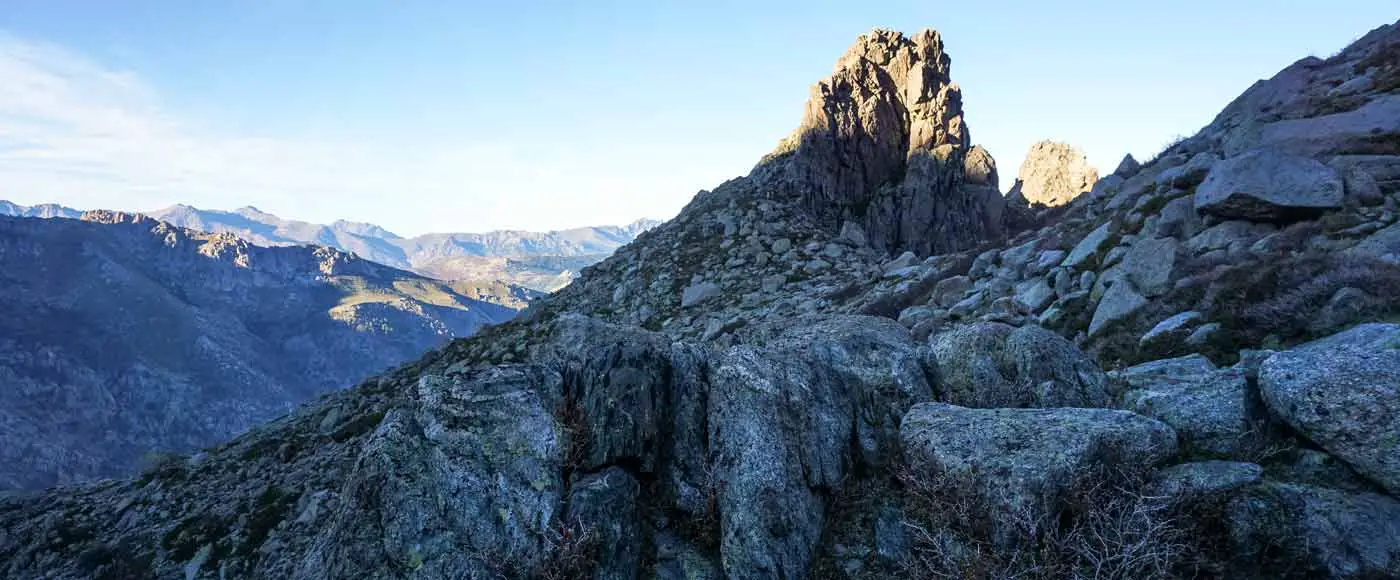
<point x="1053" y="174"/>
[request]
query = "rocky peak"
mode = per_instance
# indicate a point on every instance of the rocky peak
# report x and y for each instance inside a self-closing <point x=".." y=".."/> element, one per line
<point x="882" y="144"/>
<point x="1054" y="173"/>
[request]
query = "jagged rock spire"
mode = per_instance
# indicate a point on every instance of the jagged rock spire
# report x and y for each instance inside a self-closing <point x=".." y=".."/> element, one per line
<point x="882" y="143"/>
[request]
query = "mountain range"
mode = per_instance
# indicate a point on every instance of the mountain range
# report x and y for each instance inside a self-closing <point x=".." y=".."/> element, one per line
<point x="124" y="336"/>
<point x="862" y="361"/>
<point x="542" y="261"/>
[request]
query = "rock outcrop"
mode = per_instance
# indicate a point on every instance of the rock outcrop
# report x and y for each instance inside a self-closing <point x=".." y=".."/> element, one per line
<point x="1054" y="173"/>
<point x="883" y="143"/>
<point x="1343" y="393"/>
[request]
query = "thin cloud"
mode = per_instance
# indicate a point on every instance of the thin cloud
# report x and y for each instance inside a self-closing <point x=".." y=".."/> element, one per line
<point x="74" y="131"/>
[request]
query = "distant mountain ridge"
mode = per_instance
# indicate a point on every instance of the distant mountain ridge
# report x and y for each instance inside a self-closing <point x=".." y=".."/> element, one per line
<point x="125" y="336"/>
<point x="43" y="210"/>
<point x="543" y="261"/>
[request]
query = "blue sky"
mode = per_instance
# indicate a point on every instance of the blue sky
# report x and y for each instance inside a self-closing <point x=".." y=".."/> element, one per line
<point x="462" y="116"/>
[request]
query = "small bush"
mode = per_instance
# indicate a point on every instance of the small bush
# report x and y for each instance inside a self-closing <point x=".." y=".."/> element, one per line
<point x="1104" y="527"/>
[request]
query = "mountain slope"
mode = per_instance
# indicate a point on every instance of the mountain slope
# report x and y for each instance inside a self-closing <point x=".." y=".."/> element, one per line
<point x="756" y="389"/>
<point x="439" y="255"/>
<point x="125" y="336"/>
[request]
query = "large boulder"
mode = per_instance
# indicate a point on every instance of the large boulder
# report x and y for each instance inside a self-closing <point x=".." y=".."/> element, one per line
<point x="793" y="413"/>
<point x="1214" y="410"/>
<point x="990" y="364"/>
<point x="1314" y="532"/>
<point x="1149" y="265"/>
<point x="1024" y="459"/>
<point x="1118" y="303"/>
<point x="1266" y="185"/>
<point x="474" y="465"/>
<point x="1053" y="174"/>
<point x="1343" y="393"/>
<point x="1089" y="249"/>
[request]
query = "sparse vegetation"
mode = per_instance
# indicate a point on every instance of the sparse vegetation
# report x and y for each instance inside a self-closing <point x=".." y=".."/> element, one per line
<point x="1106" y="526"/>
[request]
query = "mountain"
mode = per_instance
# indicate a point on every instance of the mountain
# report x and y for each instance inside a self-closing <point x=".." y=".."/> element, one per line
<point x="46" y="210"/>
<point x="531" y="256"/>
<point x="124" y="336"/>
<point x="859" y="361"/>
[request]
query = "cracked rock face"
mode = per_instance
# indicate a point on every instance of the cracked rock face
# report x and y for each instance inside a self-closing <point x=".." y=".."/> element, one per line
<point x="883" y="143"/>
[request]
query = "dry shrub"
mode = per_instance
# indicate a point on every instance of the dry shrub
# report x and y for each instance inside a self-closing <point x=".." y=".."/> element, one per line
<point x="1281" y="297"/>
<point x="1105" y="526"/>
<point x="572" y="553"/>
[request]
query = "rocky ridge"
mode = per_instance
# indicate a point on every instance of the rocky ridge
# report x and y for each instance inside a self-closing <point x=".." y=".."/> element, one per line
<point x="762" y="388"/>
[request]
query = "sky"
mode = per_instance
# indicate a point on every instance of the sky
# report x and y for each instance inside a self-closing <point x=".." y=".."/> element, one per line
<point x="428" y="116"/>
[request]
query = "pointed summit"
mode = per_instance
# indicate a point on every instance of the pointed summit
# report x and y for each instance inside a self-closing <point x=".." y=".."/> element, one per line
<point x="882" y="144"/>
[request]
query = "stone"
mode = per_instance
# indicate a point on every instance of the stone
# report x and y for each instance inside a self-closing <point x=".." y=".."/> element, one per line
<point x="1343" y="393"/>
<point x="990" y="364"/>
<point x="1189" y="175"/>
<point x="1119" y="302"/>
<point x="1177" y="219"/>
<point x="1205" y="478"/>
<point x="950" y="290"/>
<point x="1318" y="468"/>
<point x="904" y="260"/>
<point x="1087" y="279"/>
<point x="1045" y="261"/>
<point x="1268" y="186"/>
<point x="982" y="264"/>
<point x="979" y="168"/>
<point x="853" y="234"/>
<point x="772" y="282"/>
<point x="1231" y="236"/>
<point x="781" y="246"/>
<point x="1314" y="532"/>
<point x="1034" y="294"/>
<point x="965" y="307"/>
<point x="1203" y="334"/>
<point x="1089" y="248"/>
<point x="1053" y="174"/>
<point x="696" y="294"/>
<point x="1127" y="167"/>
<point x="1025" y="458"/>
<point x="1360" y="187"/>
<point x="1213" y="410"/>
<point x="1382" y="245"/>
<point x="913" y="315"/>
<point x="1149" y="265"/>
<point x="1171" y="331"/>
<point x="1384" y="170"/>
